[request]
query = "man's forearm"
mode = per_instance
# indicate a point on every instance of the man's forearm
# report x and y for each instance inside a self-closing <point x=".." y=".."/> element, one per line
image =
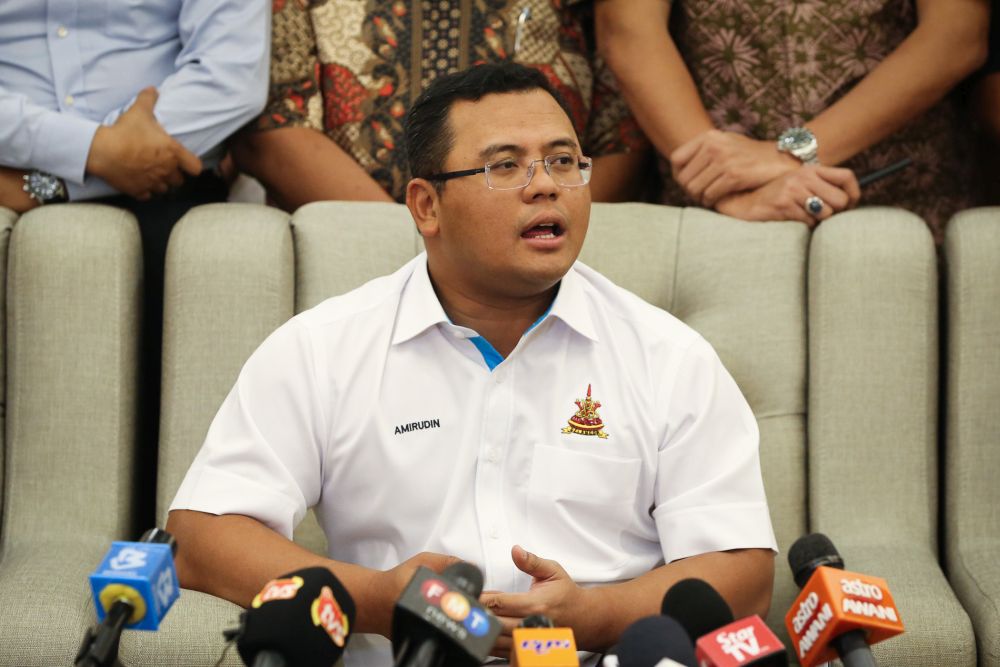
<point x="744" y="578"/>
<point x="632" y="36"/>
<point x="300" y="165"/>
<point x="908" y="82"/>
<point x="233" y="556"/>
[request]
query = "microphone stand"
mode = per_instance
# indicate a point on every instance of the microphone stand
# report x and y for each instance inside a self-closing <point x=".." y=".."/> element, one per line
<point x="100" y="644"/>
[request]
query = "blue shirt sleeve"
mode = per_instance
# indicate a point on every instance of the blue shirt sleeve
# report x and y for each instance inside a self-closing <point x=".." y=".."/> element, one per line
<point x="220" y="79"/>
<point x="38" y="138"/>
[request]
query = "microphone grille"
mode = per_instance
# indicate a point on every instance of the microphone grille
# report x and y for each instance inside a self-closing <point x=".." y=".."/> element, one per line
<point x="808" y="553"/>
<point x="466" y="576"/>
<point x="537" y="621"/>
<point x="697" y="606"/>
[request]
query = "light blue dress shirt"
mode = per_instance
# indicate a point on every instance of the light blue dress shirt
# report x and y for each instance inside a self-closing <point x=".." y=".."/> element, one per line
<point x="68" y="66"/>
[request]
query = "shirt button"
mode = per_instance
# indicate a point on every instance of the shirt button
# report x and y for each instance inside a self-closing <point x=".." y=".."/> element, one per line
<point x="70" y="100"/>
<point x="493" y="456"/>
<point x="500" y="376"/>
<point x="494" y="533"/>
<point x="62" y="31"/>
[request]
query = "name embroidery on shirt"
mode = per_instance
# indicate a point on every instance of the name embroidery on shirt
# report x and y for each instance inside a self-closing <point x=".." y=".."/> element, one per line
<point x="418" y="426"/>
<point x="586" y="421"/>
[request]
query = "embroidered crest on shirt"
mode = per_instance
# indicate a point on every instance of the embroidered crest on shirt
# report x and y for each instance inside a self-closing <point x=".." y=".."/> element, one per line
<point x="586" y="421"/>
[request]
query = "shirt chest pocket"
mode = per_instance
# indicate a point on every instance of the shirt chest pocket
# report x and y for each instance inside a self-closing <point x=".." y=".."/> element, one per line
<point x="141" y="21"/>
<point x="580" y="507"/>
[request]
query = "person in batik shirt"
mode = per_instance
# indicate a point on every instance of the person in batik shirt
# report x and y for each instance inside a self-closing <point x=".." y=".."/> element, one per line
<point x="344" y="73"/>
<point x="868" y="78"/>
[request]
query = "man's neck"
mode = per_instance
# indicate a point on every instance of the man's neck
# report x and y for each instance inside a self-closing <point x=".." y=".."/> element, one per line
<point x="501" y="320"/>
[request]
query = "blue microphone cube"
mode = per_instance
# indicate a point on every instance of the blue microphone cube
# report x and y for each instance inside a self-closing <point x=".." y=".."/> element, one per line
<point x="142" y="573"/>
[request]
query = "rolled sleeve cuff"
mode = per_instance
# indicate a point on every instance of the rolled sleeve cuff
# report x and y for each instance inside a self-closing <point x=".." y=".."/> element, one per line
<point x="64" y="146"/>
<point x="218" y="492"/>
<point x="700" y="530"/>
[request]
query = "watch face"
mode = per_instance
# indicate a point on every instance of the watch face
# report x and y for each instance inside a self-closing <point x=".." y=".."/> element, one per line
<point x="795" y="139"/>
<point x="45" y="187"/>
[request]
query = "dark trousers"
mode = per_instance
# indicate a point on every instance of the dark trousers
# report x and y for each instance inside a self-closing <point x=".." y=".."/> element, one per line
<point x="156" y="219"/>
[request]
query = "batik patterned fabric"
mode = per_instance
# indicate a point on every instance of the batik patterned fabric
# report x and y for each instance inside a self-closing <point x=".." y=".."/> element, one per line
<point x="763" y="66"/>
<point x="351" y="68"/>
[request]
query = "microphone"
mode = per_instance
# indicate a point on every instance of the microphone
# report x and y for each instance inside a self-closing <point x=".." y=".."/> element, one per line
<point x="654" y="641"/>
<point x="721" y="641"/>
<point x="538" y="643"/>
<point x="837" y="613"/>
<point x="133" y="587"/>
<point x="302" y="618"/>
<point x="697" y="606"/>
<point x="438" y="620"/>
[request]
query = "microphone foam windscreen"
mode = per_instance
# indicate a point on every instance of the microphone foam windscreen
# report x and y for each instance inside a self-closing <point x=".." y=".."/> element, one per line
<point x="810" y="552"/>
<point x="466" y="576"/>
<point x="304" y="616"/>
<point x="649" y="640"/>
<point x="697" y="607"/>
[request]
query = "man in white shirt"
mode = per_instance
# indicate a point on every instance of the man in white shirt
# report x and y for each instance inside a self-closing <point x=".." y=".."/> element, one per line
<point x="493" y="400"/>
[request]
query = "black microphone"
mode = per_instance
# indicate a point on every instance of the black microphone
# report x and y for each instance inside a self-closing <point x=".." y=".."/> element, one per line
<point x="303" y="618"/>
<point x="829" y="604"/>
<point x="654" y="641"/>
<point x="697" y="606"/>
<point x="438" y="620"/>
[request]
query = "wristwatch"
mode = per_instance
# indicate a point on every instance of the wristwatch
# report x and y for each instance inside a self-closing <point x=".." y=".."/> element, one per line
<point x="801" y="143"/>
<point x="44" y="187"/>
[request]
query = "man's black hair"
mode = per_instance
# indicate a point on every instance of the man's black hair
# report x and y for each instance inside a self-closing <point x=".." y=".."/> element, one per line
<point x="429" y="136"/>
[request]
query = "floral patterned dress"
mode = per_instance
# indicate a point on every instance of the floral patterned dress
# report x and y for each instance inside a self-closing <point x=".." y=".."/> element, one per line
<point x="351" y="68"/>
<point x="763" y="66"/>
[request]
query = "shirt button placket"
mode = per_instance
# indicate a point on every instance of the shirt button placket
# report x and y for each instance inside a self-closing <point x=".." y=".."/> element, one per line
<point x="492" y="515"/>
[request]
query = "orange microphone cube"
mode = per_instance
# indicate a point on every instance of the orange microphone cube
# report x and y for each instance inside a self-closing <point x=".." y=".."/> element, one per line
<point x="836" y="601"/>
<point x="544" y="647"/>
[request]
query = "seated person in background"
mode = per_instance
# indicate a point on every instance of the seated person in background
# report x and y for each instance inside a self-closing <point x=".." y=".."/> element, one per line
<point x="127" y="104"/>
<point x="344" y="72"/>
<point x="488" y="339"/>
<point x="986" y="107"/>
<point x="857" y="84"/>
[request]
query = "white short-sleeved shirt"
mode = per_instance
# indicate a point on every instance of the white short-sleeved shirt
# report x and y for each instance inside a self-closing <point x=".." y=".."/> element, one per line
<point x="387" y="418"/>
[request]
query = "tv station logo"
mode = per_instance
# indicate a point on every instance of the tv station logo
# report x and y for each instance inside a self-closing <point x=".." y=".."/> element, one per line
<point x="278" y="589"/>
<point x="445" y="604"/>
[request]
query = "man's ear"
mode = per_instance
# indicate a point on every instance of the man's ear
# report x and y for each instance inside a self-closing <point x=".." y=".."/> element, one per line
<point x="422" y="200"/>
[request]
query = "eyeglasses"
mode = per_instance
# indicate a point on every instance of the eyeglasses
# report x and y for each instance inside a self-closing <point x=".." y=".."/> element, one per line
<point x="566" y="170"/>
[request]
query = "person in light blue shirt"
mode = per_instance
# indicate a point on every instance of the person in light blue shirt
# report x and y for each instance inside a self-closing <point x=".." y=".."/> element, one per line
<point x="70" y="71"/>
<point x="128" y="103"/>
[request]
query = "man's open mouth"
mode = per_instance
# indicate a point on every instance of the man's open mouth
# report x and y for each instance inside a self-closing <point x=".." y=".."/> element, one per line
<point x="545" y="230"/>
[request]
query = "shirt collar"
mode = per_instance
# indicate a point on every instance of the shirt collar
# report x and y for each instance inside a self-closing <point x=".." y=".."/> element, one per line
<point x="572" y="305"/>
<point x="420" y="309"/>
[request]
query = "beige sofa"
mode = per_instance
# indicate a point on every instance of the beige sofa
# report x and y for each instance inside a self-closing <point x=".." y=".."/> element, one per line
<point x="832" y="337"/>
<point x="971" y="484"/>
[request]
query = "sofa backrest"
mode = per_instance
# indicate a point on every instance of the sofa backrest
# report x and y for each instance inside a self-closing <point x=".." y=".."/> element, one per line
<point x="228" y="285"/>
<point x="7" y="218"/>
<point x="73" y="314"/>
<point x="972" y="425"/>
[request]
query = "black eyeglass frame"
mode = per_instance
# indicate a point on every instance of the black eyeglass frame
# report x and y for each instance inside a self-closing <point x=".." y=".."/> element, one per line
<point x="581" y="161"/>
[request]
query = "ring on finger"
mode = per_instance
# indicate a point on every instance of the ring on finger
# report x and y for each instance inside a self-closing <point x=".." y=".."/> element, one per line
<point x="814" y="205"/>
